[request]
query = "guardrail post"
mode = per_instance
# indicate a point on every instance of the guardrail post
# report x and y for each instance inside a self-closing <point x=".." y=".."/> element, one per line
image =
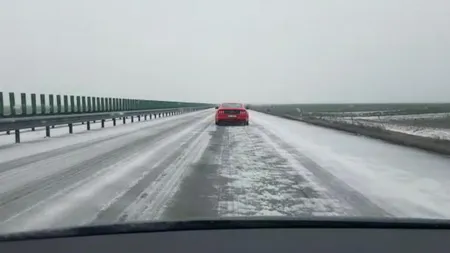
<point x="2" y="112"/>
<point x="17" y="135"/>
<point x="139" y="117"/>
<point x="43" y="109"/>
<point x="83" y="99"/>
<point x="124" y="119"/>
<point x="89" y="108"/>
<point x="132" y="118"/>
<point x="72" y="104"/>
<point x="23" y="101"/>
<point x="50" y="102"/>
<point x="70" y="128"/>
<point x="78" y="104"/>
<point x="47" y="131"/>
<point x="103" y="123"/>
<point x="88" y="125"/>
<point x="66" y="104"/>
<point x="145" y="117"/>
<point x="58" y="104"/>
<point x="12" y="104"/>
<point x="94" y="108"/>
<point x="114" y="121"/>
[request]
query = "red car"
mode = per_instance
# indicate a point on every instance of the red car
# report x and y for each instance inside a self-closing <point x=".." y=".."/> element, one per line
<point x="231" y="113"/>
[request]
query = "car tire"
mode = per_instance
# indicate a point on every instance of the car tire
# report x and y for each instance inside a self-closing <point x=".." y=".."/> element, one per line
<point x="246" y="123"/>
<point x="217" y="123"/>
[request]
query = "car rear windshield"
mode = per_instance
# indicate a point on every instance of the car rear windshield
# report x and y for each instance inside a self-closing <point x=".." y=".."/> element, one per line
<point x="232" y="105"/>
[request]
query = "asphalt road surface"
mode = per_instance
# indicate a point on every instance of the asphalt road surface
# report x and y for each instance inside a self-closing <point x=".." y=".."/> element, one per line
<point x="185" y="167"/>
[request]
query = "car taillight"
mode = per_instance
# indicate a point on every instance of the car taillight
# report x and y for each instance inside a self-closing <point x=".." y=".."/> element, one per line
<point x="221" y="112"/>
<point x="243" y="112"/>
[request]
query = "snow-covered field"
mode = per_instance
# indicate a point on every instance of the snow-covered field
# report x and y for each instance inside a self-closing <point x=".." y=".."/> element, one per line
<point x="402" y="123"/>
<point x="185" y="167"/>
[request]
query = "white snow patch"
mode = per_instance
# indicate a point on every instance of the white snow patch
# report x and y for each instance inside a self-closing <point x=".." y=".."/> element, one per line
<point x="96" y="192"/>
<point x="261" y="182"/>
<point x="405" y="182"/>
<point x="27" y="149"/>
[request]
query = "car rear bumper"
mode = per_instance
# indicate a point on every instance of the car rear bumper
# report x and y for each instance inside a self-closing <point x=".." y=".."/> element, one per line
<point x="225" y="120"/>
<point x="230" y="119"/>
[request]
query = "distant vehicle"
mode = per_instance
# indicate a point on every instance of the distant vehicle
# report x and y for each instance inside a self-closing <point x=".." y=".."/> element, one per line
<point x="232" y="113"/>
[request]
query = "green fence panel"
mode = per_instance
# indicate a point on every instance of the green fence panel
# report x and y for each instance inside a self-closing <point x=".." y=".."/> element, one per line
<point x="89" y="107"/>
<point x="66" y="104"/>
<point x="43" y="109"/>
<point x="99" y="109"/>
<point x="83" y="101"/>
<point x="50" y="102"/>
<point x="58" y="104"/>
<point x="2" y="108"/>
<point x="23" y="102"/>
<point x="72" y="104"/>
<point x="33" y="104"/>
<point x="12" y="104"/>
<point x="78" y="104"/>
<point x="94" y="104"/>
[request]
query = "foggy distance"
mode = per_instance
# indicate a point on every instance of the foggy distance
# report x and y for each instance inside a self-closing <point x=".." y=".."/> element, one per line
<point x="215" y="51"/>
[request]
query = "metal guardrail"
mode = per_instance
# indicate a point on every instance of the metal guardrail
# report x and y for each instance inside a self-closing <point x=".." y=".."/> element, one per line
<point x="17" y="123"/>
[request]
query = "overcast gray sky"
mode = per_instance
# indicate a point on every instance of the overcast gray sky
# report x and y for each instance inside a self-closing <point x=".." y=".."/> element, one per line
<point x="235" y="50"/>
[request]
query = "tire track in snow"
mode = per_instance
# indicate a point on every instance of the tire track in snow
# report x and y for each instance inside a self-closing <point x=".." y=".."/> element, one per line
<point x="97" y="192"/>
<point x="261" y="182"/>
<point x="5" y="166"/>
<point x="35" y="191"/>
<point x="155" y="199"/>
<point x="154" y="190"/>
<point x="359" y="204"/>
<point x="198" y="196"/>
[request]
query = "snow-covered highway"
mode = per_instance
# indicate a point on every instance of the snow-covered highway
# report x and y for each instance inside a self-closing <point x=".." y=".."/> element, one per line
<point x="185" y="167"/>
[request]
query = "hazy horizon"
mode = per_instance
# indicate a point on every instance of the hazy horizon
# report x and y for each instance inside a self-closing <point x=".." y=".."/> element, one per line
<point x="251" y="51"/>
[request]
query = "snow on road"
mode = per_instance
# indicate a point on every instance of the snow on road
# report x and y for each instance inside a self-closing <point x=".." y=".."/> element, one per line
<point x="185" y="167"/>
<point x="403" y="181"/>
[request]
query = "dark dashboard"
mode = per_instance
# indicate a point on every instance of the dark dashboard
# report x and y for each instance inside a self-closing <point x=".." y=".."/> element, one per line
<point x="240" y="236"/>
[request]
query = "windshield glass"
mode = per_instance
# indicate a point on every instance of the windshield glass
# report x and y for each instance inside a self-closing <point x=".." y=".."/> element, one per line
<point x="109" y="110"/>
<point x="231" y="105"/>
